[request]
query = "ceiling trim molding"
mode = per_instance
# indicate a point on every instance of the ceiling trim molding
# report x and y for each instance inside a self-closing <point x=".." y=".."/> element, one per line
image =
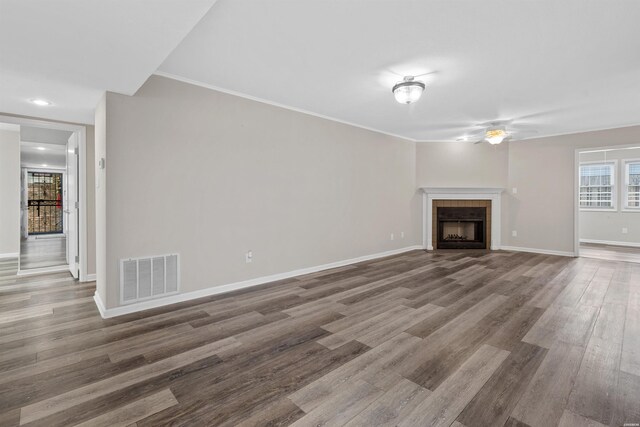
<point x="275" y="104"/>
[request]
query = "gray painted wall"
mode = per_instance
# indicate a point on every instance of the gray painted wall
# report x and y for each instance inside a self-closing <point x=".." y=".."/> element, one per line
<point x="210" y="176"/>
<point x="462" y="164"/>
<point x="542" y="171"/>
<point x="542" y="211"/>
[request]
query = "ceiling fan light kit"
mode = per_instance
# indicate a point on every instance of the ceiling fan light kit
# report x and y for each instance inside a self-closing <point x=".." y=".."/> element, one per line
<point x="495" y="136"/>
<point x="408" y="90"/>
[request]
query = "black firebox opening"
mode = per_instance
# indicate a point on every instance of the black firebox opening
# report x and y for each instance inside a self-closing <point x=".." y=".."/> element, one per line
<point x="462" y="228"/>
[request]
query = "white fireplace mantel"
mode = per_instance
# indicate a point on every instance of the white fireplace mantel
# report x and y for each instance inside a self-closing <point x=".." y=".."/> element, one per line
<point x="458" y="193"/>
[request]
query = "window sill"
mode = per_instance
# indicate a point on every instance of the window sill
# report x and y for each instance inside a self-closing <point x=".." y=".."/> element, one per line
<point x="636" y="210"/>
<point x="598" y="210"/>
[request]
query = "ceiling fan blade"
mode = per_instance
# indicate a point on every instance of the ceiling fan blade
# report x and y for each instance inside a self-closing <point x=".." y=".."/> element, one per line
<point x="478" y="142"/>
<point x="492" y="123"/>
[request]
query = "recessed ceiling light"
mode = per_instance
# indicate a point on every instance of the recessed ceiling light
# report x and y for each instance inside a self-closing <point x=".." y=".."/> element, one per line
<point x="40" y="148"/>
<point x="408" y="90"/>
<point x="44" y="165"/>
<point x="41" y="102"/>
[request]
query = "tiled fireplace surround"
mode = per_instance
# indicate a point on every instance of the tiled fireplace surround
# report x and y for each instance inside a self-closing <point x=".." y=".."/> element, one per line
<point x="434" y="197"/>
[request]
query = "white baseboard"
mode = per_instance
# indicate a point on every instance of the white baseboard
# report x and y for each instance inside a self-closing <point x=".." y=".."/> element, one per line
<point x="611" y="243"/>
<point x="43" y="270"/>
<point x="10" y="255"/>
<point x="100" y="305"/>
<point x="173" y="299"/>
<point x="537" y="251"/>
<point x="90" y="278"/>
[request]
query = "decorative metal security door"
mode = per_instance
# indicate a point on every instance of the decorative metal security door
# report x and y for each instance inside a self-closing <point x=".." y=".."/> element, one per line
<point x="44" y="193"/>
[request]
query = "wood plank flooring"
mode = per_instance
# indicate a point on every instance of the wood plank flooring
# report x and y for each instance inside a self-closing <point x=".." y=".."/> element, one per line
<point x="448" y="338"/>
<point x="43" y="251"/>
<point x="610" y="252"/>
<point x="8" y="270"/>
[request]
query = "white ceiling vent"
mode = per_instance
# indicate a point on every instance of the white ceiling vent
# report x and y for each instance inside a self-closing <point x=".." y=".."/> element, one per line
<point x="150" y="277"/>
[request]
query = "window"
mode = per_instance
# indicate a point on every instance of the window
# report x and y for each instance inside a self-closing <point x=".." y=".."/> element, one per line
<point x="44" y="200"/>
<point x="632" y="184"/>
<point x="597" y="186"/>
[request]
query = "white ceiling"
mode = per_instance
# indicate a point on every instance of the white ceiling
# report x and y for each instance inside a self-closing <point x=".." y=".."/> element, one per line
<point x="69" y="52"/>
<point x="53" y="156"/>
<point x="44" y="135"/>
<point x="558" y="66"/>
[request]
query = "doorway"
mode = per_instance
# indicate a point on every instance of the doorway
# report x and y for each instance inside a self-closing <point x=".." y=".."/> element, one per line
<point x="44" y="203"/>
<point x="43" y="243"/>
<point x="50" y="220"/>
<point x="49" y="242"/>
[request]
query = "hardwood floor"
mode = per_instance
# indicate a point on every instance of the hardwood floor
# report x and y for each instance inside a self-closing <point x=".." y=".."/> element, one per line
<point x="8" y="270"/>
<point x="43" y="251"/>
<point x="419" y="339"/>
<point x="610" y="252"/>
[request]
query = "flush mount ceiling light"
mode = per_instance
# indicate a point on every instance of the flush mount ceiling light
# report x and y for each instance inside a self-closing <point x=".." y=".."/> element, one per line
<point x="41" y="102"/>
<point x="495" y="135"/>
<point x="408" y="90"/>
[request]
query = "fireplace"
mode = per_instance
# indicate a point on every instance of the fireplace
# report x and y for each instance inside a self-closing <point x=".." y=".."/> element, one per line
<point x="462" y="228"/>
<point x="435" y="198"/>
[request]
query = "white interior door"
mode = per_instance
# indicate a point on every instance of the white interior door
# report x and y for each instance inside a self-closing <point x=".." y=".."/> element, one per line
<point x="71" y="206"/>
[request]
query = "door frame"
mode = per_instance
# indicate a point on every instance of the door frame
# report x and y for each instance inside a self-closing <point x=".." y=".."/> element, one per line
<point x="576" y="186"/>
<point x="81" y="131"/>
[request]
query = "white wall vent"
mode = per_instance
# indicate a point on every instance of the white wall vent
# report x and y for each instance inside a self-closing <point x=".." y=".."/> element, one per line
<point x="149" y="277"/>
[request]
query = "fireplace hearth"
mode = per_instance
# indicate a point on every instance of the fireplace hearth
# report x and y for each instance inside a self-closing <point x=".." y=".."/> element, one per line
<point x="461" y="227"/>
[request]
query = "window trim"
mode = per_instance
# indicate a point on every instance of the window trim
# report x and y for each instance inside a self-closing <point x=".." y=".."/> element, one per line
<point x="614" y="186"/>
<point x="625" y="188"/>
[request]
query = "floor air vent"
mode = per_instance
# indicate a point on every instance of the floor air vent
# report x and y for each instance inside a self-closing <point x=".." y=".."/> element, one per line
<point x="151" y="277"/>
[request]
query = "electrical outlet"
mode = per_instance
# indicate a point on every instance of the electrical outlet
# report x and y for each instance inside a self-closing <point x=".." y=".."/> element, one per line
<point x="402" y="234"/>
<point x="625" y="230"/>
<point x="249" y="257"/>
<point x="392" y="237"/>
<point x="514" y="190"/>
<point x="514" y="233"/>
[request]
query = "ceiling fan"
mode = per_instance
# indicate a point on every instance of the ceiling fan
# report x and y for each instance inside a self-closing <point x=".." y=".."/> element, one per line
<point x="496" y="132"/>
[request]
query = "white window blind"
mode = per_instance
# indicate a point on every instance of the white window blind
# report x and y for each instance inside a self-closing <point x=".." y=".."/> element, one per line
<point x="597" y="186"/>
<point x="632" y="184"/>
